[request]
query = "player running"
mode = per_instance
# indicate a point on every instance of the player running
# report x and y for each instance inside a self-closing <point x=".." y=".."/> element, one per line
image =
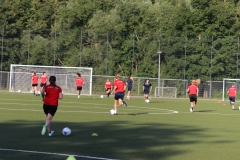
<point x="232" y="92"/>
<point x="108" y="87"/>
<point x="147" y="88"/>
<point x="79" y="83"/>
<point x="129" y="84"/>
<point x="34" y="83"/>
<point x="119" y="88"/>
<point x="50" y="94"/>
<point x="43" y="81"/>
<point x="193" y="94"/>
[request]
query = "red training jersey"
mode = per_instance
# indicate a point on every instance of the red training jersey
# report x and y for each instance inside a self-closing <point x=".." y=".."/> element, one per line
<point x="108" y="85"/>
<point x="192" y="89"/>
<point x="232" y="91"/>
<point x="44" y="79"/>
<point x="52" y="95"/>
<point x="79" y="81"/>
<point x="120" y="86"/>
<point x="34" y="79"/>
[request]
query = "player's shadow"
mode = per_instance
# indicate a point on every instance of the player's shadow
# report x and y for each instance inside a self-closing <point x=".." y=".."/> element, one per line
<point x="205" y="111"/>
<point x="136" y="114"/>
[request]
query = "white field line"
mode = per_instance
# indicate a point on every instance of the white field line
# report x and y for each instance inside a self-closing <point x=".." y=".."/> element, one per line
<point x="133" y="108"/>
<point x="50" y="153"/>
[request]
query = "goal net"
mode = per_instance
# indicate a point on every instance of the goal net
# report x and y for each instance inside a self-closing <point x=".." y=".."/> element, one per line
<point x="20" y="77"/>
<point x="227" y="83"/>
<point x="168" y="92"/>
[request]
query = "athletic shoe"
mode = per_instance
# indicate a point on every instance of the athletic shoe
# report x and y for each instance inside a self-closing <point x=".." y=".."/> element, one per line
<point x="50" y="133"/>
<point x="124" y="104"/>
<point x="190" y="109"/>
<point x="43" y="130"/>
<point x="233" y="107"/>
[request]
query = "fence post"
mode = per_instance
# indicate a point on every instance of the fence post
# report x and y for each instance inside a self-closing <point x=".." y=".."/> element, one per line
<point x="2" y="57"/>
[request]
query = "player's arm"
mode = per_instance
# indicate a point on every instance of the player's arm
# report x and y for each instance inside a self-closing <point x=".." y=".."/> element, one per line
<point x="60" y="95"/>
<point x="197" y="91"/>
<point x="143" y="87"/>
<point x="115" y="87"/>
<point x="43" y="93"/>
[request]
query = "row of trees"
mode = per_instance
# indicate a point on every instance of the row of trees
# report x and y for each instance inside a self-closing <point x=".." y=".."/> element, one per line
<point x="198" y="39"/>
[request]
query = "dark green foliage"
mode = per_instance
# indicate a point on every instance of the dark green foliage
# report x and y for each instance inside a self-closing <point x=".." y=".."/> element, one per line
<point x="124" y="36"/>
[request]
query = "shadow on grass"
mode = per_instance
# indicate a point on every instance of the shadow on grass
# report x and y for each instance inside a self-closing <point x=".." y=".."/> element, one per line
<point x="205" y="111"/>
<point x="117" y="140"/>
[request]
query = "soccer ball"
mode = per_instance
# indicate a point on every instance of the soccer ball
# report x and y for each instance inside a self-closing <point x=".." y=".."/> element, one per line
<point x="147" y="101"/>
<point x="66" y="131"/>
<point x="101" y="96"/>
<point x="112" y="111"/>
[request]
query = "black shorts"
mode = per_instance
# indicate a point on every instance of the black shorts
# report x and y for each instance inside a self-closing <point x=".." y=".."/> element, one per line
<point x="119" y="95"/>
<point x="34" y="85"/>
<point x="79" y="88"/>
<point x="42" y="84"/>
<point x="108" y="89"/>
<point x="193" y="98"/>
<point x="48" y="109"/>
<point x="130" y="88"/>
<point x="232" y="99"/>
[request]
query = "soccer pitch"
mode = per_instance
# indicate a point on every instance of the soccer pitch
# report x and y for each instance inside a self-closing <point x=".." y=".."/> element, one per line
<point x="162" y="129"/>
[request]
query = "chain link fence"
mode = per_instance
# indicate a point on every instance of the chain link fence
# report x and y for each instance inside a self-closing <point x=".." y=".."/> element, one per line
<point x="207" y="89"/>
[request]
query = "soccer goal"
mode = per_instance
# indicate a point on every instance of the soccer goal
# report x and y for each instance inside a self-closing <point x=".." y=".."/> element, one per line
<point x="168" y="92"/>
<point x="228" y="83"/>
<point x="20" y="77"/>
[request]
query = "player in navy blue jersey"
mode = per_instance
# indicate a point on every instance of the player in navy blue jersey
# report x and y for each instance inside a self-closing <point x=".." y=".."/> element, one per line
<point x="129" y="84"/>
<point x="147" y="88"/>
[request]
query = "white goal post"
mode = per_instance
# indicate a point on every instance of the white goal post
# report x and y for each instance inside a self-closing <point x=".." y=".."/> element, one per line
<point x="167" y="92"/>
<point x="20" y="77"/>
<point x="227" y="83"/>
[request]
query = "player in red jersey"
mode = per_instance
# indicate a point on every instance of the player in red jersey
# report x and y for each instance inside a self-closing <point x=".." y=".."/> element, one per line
<point x="50" y="94"/>
<point x="119" y="89"/>
<point x="232" y="92"/>
<point x="34" y="82"/>
<point x="193" y="94"/>
<point x="79" y="83"/>
<point x="43" y="80"/>
<point x="108" y="87"/>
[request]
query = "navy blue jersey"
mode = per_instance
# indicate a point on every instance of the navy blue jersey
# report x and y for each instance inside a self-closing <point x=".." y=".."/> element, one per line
<point x="147" y="86"/>
<point x="129" y="82"/>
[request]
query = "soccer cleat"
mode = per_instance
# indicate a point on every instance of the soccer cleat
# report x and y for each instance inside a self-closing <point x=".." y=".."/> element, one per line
<point x="191" y="110"/>
<point x="50" y="133"/>
<point x="233" y="107"/>
<point x="43" y="130"/>
<point x="124" y="104"/>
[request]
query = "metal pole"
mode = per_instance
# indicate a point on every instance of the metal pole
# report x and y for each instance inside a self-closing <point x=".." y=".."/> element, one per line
<point x="159" y="63"/>
<point x="54" y="58"/>
<point x="28" y="46"/>
<point x="80" y="60"/>
<point x="107" y="56"/>
<point x="2" y="56"/>
<point x="185" y="58"/>
<point x="237" y="58"/>
<point x="210" y="89"/>
<point x="132" y="55"/>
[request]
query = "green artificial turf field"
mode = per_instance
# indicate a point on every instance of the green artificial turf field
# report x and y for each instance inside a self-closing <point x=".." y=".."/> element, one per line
<point x="162" y="129"/>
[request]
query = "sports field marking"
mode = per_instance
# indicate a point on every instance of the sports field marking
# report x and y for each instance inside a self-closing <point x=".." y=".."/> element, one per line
<point x="50" y="153"/>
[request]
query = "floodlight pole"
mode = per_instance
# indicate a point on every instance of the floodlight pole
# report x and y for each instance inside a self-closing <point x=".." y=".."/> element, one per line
<point x="159" y="70"/>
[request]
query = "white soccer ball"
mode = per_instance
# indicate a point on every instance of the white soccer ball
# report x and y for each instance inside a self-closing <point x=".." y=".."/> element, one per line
<point x="101" y="96"/>
<point x="66" y="131"/>
<point x="239" y="107"/>
<point x="19" y="90"/>
<point x="112" y="111"/>
<point x="147" y="101"/>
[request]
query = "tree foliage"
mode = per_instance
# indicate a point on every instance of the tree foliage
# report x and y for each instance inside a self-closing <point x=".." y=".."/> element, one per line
<point x="196" y="38"/>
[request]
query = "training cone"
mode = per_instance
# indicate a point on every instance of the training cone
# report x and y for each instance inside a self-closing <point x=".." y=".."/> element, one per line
<point x="94" y="134"/>
<point x="219" y="101"/>
<point x="71" y="158"/>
